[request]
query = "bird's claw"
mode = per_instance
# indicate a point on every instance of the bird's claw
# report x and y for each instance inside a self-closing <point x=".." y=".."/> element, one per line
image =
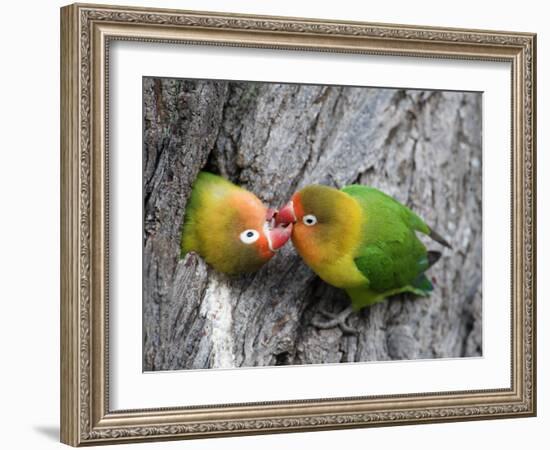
<point x="335" y="320"/>
<point x="327" y="314"/>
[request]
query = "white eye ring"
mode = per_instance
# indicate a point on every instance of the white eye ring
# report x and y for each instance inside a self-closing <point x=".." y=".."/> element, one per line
<point x="249" y="236"/>
<point x="309" y="220"/>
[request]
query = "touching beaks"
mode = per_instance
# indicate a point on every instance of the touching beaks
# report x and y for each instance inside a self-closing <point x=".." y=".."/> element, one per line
<point x="278" y="236"/>
<point x="286" y="214"/>
<point x="270" y="213"/>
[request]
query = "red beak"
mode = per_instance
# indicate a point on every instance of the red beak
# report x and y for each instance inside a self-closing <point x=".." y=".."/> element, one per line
<point x="286" y="214"/>
<point x="270" y="213"/>
<point x="278" y="236"/>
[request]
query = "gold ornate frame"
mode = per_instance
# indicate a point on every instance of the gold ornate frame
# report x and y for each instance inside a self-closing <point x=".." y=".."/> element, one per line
<point x="86" y="31"/>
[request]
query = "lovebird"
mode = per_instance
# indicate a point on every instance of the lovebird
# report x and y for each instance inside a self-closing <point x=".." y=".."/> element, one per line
<point x="361" y="240"/>
<point x="229" y="227"/>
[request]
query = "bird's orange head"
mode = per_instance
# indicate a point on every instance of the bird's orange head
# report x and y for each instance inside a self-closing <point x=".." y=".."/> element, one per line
<point x="326" y="221"/>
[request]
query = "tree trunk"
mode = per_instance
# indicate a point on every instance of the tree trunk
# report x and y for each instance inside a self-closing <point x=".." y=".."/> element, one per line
<point x="422" y="147"/>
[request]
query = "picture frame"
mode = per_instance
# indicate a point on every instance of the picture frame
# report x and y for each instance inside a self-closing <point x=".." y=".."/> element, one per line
<point x="87" y="31"/>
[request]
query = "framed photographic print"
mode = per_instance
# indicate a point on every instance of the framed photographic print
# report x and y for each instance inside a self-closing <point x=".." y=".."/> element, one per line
<point x="277" y="224"/>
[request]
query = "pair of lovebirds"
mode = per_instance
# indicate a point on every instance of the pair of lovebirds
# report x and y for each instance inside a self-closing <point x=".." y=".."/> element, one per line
<point x="356" y="238"/>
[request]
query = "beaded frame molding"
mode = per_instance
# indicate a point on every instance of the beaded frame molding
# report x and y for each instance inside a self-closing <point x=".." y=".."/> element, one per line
<point x="86" y="32"/>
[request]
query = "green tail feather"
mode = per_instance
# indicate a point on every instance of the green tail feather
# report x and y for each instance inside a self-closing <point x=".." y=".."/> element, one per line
<point x="422" y="283"/>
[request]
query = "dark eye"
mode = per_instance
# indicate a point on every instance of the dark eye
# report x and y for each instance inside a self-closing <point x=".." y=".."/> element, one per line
<point x="309" y="220"/>
<point x="249" y="236"/>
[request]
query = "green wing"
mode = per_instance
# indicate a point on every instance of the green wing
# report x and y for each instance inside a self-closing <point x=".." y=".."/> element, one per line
<point x="389" y="266"/>
<point x="390" y="255"/>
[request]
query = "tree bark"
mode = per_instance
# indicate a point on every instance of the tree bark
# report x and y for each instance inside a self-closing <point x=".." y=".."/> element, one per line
<point x="422" y="147"/>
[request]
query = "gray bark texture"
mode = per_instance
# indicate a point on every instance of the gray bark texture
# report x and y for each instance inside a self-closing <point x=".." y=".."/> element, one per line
<point x="422" y="147"/>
